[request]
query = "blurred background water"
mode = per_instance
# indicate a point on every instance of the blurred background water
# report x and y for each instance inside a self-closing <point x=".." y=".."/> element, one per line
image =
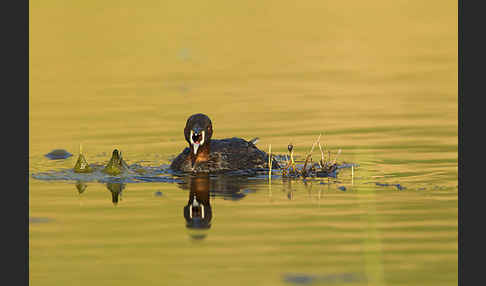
<point x="378" y="79"/>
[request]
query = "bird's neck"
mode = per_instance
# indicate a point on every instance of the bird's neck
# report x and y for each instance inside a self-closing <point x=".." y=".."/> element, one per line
<point x="202" y="153"/>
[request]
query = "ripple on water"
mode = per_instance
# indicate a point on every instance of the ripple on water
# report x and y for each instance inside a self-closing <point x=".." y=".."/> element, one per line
<point x="137" y="173"/>
<point x="398" y="186"/>
<point x="132" y="175"/>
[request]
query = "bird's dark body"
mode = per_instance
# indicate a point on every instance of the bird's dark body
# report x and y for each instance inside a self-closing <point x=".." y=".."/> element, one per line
<point x="206" y="155"/>
<point x="229" y="154"/>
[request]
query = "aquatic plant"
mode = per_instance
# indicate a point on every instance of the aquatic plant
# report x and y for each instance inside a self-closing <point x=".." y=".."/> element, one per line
<point x="323" y="168"/>
<point x="116" y="165"/>
<point x="82" y="165"/>
<point x="270" y="162"/>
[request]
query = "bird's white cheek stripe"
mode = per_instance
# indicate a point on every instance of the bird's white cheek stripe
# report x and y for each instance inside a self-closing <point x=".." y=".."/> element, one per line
<point x="196" y="145"/>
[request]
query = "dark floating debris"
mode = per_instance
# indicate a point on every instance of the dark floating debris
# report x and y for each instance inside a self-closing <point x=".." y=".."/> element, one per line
<point x="39" y="219"/>
<point x="398" y="186"/>
<point x="58" y="154"/>
<point x="158" y="194"/>
<point x="342" y="188"/>
<point x="330" y="173"/>
<point x="338" y="278"/>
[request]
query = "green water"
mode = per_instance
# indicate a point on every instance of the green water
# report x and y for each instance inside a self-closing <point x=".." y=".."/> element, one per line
<point x="377" y="79"/>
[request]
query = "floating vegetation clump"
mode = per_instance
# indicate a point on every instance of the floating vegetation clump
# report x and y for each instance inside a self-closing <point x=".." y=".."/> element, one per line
<point x="324" y="167"/>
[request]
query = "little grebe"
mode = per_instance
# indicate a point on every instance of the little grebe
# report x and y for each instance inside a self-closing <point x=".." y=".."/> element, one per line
<point x="212" y="155"/>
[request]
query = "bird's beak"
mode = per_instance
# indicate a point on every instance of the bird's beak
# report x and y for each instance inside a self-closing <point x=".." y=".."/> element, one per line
<point x="197" y="138"/>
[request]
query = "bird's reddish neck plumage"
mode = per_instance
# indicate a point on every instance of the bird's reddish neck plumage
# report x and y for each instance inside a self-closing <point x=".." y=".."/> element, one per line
<point x="202" y="154"/>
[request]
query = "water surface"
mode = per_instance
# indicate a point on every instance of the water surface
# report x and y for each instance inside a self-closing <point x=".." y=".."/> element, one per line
<point x="377" y="79"/>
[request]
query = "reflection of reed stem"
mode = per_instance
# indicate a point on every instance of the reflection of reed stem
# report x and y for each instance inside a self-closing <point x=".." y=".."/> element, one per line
<point x="270" y="163"/>
<point x="270" y="170"/>
<point x="270" y="190"/>
<point x="352" y="174"/>
<point x="372" y="244"/>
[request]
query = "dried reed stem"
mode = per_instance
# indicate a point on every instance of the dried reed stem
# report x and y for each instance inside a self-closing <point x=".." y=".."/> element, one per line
<point x="321" y="163"/>
<point x="292" y="162"/>
<point x="334" y="161"/>
<point x="309" y="155"/>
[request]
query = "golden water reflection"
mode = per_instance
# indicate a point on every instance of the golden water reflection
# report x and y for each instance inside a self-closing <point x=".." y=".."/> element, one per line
<point x="378" y="79"/>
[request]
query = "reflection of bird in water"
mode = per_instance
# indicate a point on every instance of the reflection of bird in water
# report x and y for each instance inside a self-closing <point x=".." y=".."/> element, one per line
<point x="226" y="186"/>
<point x="116" y="191"/>
<point x="229" y="187"/>
<point x="198" y="211"/>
